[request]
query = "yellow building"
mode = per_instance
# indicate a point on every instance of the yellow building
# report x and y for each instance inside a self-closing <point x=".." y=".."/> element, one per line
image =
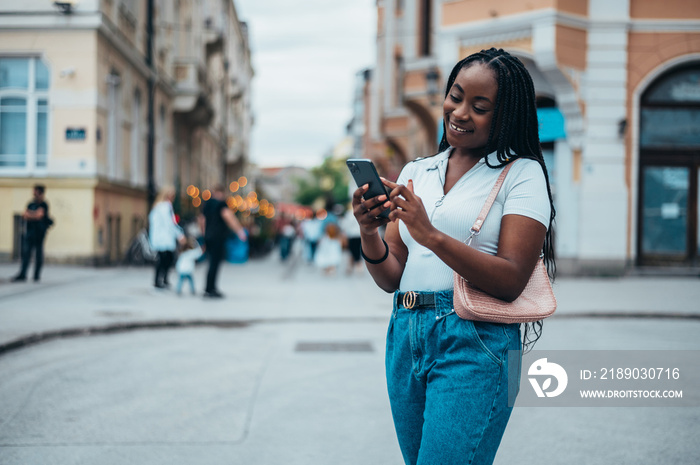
<point x="105" y="102"/>
<point x="618" y="86"/>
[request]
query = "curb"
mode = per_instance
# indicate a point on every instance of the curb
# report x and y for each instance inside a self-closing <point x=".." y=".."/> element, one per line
<point x="47" y="336"/>
<point x="38" y="338"/>
<point x="618" y="314"/>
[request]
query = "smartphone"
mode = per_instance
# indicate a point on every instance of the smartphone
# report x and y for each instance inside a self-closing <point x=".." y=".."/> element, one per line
<point x="364" y="172"/>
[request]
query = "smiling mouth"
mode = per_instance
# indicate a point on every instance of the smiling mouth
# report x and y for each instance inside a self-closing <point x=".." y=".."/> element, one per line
<point x="458" y="129"/>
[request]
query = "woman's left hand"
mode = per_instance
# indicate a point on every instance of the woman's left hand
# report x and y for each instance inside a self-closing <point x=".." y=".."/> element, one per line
<point x="408" y="207"/>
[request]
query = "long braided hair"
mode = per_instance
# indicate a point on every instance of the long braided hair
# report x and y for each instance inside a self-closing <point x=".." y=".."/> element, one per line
<point x="515" y="123"/>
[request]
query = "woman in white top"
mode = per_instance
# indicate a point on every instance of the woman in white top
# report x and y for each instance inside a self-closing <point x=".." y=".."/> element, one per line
<point x="448" y="378"/>
<point x="164" y="234"/>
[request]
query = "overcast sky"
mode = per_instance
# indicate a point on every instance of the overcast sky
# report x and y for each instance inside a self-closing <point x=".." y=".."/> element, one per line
<point x="305" y="54"/>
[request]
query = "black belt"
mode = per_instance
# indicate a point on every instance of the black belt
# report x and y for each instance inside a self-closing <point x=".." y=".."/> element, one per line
<point x="412" y="300"/>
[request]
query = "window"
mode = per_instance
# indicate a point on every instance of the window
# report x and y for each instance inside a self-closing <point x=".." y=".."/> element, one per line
<point x="670" y="117"/>
<point x="426" y="18"/>
<point x="114" y="125"/>
<point x="551" y="129"/>
<point x="160" y="147"/>
<point x="136" y="167"/>
<point x="24" y="113"/>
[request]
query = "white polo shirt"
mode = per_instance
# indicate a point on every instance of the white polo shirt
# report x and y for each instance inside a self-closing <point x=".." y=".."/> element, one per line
<point x="524" y="192"/>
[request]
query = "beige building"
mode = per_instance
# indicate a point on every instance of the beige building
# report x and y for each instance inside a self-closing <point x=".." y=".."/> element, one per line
<point x="107" y="101"/>
<point x="618" y="86"/>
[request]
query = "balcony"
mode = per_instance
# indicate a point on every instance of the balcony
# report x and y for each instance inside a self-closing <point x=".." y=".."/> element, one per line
<point x="192" y="93"/>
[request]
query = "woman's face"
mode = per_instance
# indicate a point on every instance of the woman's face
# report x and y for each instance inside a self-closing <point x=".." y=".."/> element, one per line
<point x="469" y="107"/>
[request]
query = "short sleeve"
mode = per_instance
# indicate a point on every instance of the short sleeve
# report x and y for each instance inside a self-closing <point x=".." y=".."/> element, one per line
<point x="526" y="192"/>
<point x="406" y="174"/>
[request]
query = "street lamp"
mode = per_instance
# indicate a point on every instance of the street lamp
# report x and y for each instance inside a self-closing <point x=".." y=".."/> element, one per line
<point x="432" y="77"/>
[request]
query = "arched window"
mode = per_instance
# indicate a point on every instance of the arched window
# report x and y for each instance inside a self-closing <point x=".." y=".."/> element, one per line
<point x="669" y="141"/>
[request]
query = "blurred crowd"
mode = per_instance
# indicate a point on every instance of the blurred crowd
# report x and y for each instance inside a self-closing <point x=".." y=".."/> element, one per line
<point x="325" y="240"/>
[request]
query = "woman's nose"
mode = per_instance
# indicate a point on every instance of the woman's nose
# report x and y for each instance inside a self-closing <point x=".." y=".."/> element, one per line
<point x="461" y="112"/>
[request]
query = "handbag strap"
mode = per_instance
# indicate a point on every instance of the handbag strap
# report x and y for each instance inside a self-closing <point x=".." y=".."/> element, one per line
<point x="476" y="227"/>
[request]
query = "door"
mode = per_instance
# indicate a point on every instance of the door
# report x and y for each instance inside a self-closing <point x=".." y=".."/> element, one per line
<point x="668" y="232"/>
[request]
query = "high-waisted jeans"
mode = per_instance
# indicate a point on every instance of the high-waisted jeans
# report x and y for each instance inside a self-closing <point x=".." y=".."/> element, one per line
<point x="448" y="383"/>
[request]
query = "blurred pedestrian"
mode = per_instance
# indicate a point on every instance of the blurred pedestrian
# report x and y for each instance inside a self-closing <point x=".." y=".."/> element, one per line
<point x="329" y="253"/>
<point x="288" y="233"/>
<point x="185" y="265"/>
<point x="351" y="231"/>
<point x="164" y="235"/>
<point x="448" y="378"/>
<point x="312" y="229"/>
<point x="37" y="222"/>
<point x="217" y="221"/>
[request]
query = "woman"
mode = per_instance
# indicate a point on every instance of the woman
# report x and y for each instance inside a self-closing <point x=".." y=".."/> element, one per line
<point x="448" y="378"/>
<point x="164" y="234"/>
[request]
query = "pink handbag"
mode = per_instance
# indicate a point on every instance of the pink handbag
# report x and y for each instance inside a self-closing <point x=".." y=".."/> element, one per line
<point x="536" y="302"/>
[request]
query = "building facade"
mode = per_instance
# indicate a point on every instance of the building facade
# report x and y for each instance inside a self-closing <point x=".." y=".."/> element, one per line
<point x="356" y="128"/>
<point x="107" y="101"/>
<point x="618" y="94"/>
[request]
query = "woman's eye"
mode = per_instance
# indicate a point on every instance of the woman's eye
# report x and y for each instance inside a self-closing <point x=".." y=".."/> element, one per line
<point x="454" y="98"/>
<point x="480" y="110"/>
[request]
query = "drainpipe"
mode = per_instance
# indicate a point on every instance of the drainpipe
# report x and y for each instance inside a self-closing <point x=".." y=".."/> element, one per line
<point x="151" y="189"/>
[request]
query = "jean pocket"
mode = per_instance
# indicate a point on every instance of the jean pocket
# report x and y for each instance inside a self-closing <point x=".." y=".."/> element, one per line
<point x="492" y="338"/>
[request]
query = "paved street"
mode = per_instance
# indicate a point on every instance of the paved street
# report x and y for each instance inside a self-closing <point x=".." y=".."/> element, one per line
<point x="288" y="369"/>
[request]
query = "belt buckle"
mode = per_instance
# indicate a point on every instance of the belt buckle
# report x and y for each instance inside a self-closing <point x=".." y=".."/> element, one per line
<point x="409" y="300"/>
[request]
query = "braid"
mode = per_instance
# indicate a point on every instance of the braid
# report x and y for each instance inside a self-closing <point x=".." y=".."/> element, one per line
<point x="513" y="134"/>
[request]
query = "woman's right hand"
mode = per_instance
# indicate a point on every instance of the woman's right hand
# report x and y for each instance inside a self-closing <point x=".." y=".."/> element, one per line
<point x="367" y="211"/>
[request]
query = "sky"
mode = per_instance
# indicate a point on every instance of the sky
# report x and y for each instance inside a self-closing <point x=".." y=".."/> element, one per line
<point x="305" y="55"/>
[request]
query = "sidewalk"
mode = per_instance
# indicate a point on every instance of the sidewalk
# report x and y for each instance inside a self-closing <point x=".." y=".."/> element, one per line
<point x="80" y="297"/>
<point x="261" y="394"/>
<point x="73" y="297"/>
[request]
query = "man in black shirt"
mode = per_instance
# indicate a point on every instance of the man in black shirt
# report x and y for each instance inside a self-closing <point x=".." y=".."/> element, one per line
<point x="216" y="221"/>
<point x="37" y="221"/>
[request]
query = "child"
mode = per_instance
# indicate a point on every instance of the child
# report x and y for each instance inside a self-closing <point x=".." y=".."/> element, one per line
<point x="185" y="263"/>
<point x="329" y="252"/>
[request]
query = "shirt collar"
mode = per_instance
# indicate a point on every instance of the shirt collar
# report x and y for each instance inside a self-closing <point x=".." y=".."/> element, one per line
<point x="440" y="160"/>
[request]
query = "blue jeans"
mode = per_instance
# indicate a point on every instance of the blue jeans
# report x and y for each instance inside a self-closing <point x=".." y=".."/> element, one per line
<point x="448" y="383"/>
<point x="182" y="279"/>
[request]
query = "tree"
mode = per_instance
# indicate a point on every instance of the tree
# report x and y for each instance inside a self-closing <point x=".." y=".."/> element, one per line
<point x="329" y="183"/>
